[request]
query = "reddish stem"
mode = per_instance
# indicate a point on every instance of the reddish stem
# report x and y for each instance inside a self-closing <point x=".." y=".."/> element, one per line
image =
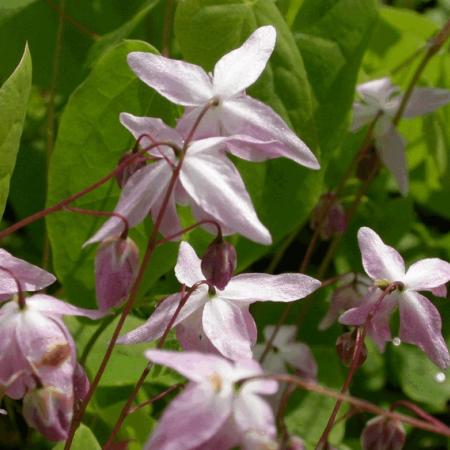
<point x="190" y="228"/>
<point x="20" y="295"/>
<point x="155" y="398"/>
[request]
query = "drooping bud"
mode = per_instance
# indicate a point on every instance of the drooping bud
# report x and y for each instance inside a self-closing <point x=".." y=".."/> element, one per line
<point x="345" y="347"/>
<point x="295" y="443"/>
<point x="125" y="173"/>
<point x="48" y="410"/>
<point x="116" y="266"/>
<point x="367" y="163"/>
<point x="329" y="216"/>
<point x="382" y="433"/>
<point x="219" y="262"/>
<point x="80" y="383"/>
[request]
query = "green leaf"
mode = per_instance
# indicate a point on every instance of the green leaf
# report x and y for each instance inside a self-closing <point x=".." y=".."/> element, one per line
<point x="283" y="192"/>
<point x="84" y="439"/>
<point x="89" y="144"/>
<point x="332" y="37"/>
<point x="14" y="96"/>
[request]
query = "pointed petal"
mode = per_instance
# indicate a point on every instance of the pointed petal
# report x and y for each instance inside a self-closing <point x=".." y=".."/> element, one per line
<point x="47" y="304"/>
<point x="440" y="291"/>
<point x="180" y="82"/>
<point x="154" y="128"/>
<point x="159" y="320"/>
<point x="142" y="190"/>
<point x="226" y="328"/>
<point x="299" y="355"/>
<point x="380" y="261"/>
<point x="170" y="223"/>
<point x="227" y="437"/>
<point x="376" y="92"/>
<point x="216" y="186"/>
<point x="31" y="277"/>
<point x="391" y="148"/>
<point x="362" y="115"/>
<point x="246" y="116"/>
<point x="285" y="334"/>
<point x="254" y="287"/>
<point x="425" y="100"/>
<point x="427" y="274"/>
<point x="420" y="324"/>
<point x="194" y="366"/>
<point x="247" y="368"/>
<point x="188" y="268"/>
<point x="241" y="67"/>
<point x="194" y="417"/>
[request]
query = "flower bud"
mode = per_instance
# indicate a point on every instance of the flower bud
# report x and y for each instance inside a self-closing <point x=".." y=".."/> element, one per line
<point x="382" y="433"/>
<point x="345" y="347"/>
<point x="80" y="383"/>
<point x="366" y="163"/>
<point x="116" y="266"/>
<point x="329" y="215"/>
<point x="125" y="173"/>
<point x="295" y="443"/>
<point x="49" y="411"/>
<point x="219" y="262"/>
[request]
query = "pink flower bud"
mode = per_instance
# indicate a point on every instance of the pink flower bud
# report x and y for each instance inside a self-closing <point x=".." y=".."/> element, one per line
<point x="124" y="174"/>
<point x="295" y="443"/>
<point x="329" y="215"/>
<point x="366" y="163"/>
<point x="48" y="410"/>
<point x="381" y="433"/>
<point x="80" y="383"/>
<point x="219" y="262"/>
<point x="116" y="266"/>
<point x="345" y="347"/>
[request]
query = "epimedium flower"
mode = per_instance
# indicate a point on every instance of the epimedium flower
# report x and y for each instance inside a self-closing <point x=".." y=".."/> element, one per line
<point x="420" y="321"/>
<point x="219" y="320"/>
<point x="208" y="181"/>
<point x="218" y="408"/>
<point x="379" y="98"/>
<point x="231" y="111"/>
<point x="285" y="351"/>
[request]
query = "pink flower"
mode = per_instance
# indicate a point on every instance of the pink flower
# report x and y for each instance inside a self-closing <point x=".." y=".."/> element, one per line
<point x="35" y="343"/>
<point x="285" y="351"/>
<point x="30" y="277"/>
<point x="208" y="181"/>
<point x="216" y="410"/>
<point x="219" y="320"/>
<point x="381" y="97"/>
<point x="420" y="321"/>
<point x="233" y="112"/>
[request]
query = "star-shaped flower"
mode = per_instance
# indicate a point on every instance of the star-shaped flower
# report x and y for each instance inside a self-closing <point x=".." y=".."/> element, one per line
<point x="420" y="321"/>
<point x="208" y="181"/>
<point x="220" y="320"/>
<point x="380" y="97"/>
<point x="214" y="411"/>
<point x="233" y="112"/>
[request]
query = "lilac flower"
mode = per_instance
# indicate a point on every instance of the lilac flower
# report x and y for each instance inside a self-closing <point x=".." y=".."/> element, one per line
<point x="30" y="277"/>
<point x="213" y="411"/>
<point x="208" y="181"/>
<point x="285" y="351"/>
<point x="420" y="322"/>
<point x="231" y="111"/>
<point x="380" y="97"/>
<point x="35" y="343"/>
<point x="219" y="320"/>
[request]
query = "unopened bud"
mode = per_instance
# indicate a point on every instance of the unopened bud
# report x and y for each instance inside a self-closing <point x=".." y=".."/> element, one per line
<point x="116" y="266"/>
<point x="219" y="263"/>
<point x="295" y="443"/>
<point x="329" y="216"/>
<point x="80" y="383"/>
<point x="367" y="163"/>
<point x="382" y="433"/>
<point x="345" y="347"/>
<point x="125" y="173"/>
<point x="49" y="411"/>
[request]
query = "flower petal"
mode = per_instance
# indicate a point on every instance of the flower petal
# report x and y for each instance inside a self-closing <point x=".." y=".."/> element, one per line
<point x="376" y="92"/>
<point x="425" y="100"/>
<point x="362" y="115"/>
<point x="427" y="274"/>
<point x="226" y="327"/>
<point x="420" y="324"/>
<point x="254" y="287"/>
<point x="241" y="67"/>
<point x="285" y="334"/>
<point x="391" y="148"/>
<point x="194" y="366"/>
<point x="159" y="320"/>
<point x="299" y="356"/>
<point x="246" y="116"/>
<point x="31" y="277"/>
<point x="142" y="190"/>
<point x="194" y="417"/>
<point x="188" y="268"/>
<point x="51" y="305"/>
<point x="216" y="186"/>
<point x="181" y="82"/>
<point x="380" y="261"/>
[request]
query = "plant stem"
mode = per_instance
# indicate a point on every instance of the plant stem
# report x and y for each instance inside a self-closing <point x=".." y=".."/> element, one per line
<point x="155" y="398"/>
<point x="167" y="28"/>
